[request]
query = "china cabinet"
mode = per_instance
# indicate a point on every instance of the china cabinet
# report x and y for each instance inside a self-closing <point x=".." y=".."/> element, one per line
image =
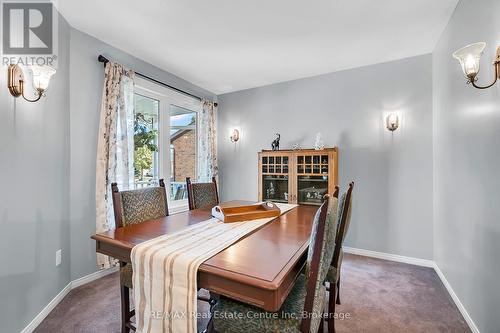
<point x="297" y="176"/>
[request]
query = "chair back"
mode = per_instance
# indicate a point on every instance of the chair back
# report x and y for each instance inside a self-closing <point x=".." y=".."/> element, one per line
<point x="320" y="255"/>
<point x="202" y="195"/>
<point x="137" y="206"/>
<point x="331" y="214"/>
<point x="344" y="217"/>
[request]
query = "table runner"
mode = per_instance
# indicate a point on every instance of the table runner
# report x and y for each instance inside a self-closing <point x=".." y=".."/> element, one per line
<point x="165" y="271"/>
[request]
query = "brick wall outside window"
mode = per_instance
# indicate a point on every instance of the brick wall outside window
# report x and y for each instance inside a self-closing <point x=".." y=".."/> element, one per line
<point x="184" y="156"/>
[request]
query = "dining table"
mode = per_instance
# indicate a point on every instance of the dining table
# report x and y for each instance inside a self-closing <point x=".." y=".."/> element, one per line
<point x="259" y="269"/>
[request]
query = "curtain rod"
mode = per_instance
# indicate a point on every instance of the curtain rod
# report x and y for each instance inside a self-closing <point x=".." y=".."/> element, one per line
<point x="105" y="60"/>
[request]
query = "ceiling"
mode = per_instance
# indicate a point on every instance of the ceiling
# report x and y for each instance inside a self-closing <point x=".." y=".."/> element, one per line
<point x="231" y="45"/>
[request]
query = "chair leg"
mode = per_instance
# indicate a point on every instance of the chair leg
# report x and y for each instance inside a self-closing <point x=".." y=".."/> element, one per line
<point x="210" y="327"/>
<point x="331" y="308"/>
<point x="338" y="291"/>
<point x="214" y="298"/>
<point x="125" y="300"/>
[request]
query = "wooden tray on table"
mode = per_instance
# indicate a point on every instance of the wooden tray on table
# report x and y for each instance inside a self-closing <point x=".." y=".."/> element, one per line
<point x="228" y="214"/>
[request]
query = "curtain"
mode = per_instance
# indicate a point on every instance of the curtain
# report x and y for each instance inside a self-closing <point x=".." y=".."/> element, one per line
<point x="115" y="147"/>
<point x="207" y="142"/>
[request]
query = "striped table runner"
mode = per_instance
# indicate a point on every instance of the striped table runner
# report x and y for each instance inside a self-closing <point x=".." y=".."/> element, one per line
<point x="165" y="270"/>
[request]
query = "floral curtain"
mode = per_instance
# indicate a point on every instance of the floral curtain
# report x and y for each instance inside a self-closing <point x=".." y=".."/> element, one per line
<point x="115" y="147"/>
<point x="207" y="142"/>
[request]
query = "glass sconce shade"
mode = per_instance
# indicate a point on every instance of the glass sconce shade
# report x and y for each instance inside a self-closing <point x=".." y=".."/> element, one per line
<point x="41" y="80"/>
<point x="41" y="76"/>
<point x="234" y="135"/>
<point x="469" y="58"/>
<point x="392" y="122"/>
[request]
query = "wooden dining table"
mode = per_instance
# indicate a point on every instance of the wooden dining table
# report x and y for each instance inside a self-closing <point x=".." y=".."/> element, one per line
<point x="259" y="269"/>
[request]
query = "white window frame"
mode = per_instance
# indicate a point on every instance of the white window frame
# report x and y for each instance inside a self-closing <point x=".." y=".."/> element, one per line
<point x="167" y="97"/>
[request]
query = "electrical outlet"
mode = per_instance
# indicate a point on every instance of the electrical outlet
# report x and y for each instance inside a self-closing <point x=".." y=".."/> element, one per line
<point x="58" y="257"/>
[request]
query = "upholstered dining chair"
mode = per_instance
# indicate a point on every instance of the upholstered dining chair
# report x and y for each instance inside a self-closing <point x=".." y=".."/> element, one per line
<point x="202" y="195"/>
<point x="132" y="207"/>
<point x="303" y="309"/>
<point x="333" y="275"/>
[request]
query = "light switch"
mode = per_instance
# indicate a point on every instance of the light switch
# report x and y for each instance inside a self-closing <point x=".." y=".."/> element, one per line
<point x="58" y="257"/>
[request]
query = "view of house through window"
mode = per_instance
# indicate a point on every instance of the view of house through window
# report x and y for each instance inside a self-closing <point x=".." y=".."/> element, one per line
<point x="172" y="156"/>
<point x="182" y="150"/>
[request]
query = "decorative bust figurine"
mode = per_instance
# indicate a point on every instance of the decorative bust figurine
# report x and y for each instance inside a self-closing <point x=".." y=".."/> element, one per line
<point x="319" y="144"/>
<point x="275" y="145"/>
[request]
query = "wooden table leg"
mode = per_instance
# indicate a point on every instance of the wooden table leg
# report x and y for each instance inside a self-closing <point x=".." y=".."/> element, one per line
<point x="125" y="305"/>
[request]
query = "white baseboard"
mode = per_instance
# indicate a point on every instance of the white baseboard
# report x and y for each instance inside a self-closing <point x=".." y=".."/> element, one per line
<point x="390" y="257"/>
<point x="46" y="310"/>
<point x="455" y="298"/>
<point x="419" y="262"/>
<point x="93" y="276"/>
<point x="56" y="300"/>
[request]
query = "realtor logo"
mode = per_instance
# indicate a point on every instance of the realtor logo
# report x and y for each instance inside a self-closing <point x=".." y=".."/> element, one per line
<point x="27" y="28"/>
<point x="29" y="33"/>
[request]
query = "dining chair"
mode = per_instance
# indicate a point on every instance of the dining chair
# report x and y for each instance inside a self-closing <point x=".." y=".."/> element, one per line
<point x="303" y="309"/>
<point x="333" y="275"/>
<point x="133" y="207"/>
<point x="202" y="195"/>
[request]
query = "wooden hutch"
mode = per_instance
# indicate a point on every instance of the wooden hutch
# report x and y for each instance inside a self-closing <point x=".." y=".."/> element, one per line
<point x="297" y="176"/>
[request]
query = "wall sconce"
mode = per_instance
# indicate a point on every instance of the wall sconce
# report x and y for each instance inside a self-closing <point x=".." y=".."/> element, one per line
<point x="469" y="58"/>
<point x="41" y="80"/>
<point x="234" y="135"/>
<point x="392" y="121"/>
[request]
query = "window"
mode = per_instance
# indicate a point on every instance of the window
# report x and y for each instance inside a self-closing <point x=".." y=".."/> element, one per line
<point x="182" y="150"/>
<point x="165" y="139"/>
<point x="146" y="121"/>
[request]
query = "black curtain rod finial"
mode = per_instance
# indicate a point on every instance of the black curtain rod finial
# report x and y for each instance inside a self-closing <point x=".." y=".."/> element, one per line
<point x="102" y="58"/>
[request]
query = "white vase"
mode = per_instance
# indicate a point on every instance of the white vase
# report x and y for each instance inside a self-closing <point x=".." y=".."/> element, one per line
<point x="318" y="144"/>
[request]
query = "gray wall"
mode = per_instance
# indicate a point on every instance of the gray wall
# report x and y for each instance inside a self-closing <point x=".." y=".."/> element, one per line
<point x="467" y="165"/>
<point x="48" y="176"/>
<point x="34" y="200"/>
<point x="393" y="175"/>
<point x="49" y="150"/>
<point x="87" y="77"/>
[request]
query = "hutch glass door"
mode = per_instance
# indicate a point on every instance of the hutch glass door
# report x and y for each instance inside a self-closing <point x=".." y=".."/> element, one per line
<point x="275" y="170"/>
<point x="312" y="178"/>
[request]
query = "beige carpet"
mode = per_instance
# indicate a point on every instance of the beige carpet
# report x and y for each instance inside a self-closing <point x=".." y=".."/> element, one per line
<point x="376" y="295"/>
